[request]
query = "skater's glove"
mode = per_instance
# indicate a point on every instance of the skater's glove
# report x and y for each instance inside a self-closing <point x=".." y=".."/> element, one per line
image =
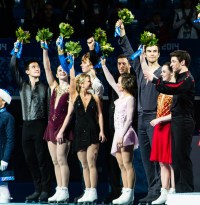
<point x="4" y="165"/>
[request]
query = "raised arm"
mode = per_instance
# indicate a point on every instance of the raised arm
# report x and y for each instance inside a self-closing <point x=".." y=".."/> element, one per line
<point x="109" y="77"/>
<point x="14" y="69"/>
<point x="72" y="87"/>
<point x="47" y="67"/>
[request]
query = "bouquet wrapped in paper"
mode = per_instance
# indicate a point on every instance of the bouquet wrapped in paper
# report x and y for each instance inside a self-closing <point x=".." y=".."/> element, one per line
<point x="126" y="16"/>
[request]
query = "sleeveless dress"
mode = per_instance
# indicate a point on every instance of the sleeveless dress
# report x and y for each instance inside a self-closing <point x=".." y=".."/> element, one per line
<point x="161" y="150"/>
<point x="56" y="118"/>
<point x="87" y="129"/>
<point x="120" y="116"/>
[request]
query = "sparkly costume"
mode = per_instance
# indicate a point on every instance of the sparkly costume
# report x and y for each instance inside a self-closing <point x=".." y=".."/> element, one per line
<point x="57" y="117"/>
<point x="161" y="144"/>
<point x="121" y="111"/>
<point x="86" y="125"/>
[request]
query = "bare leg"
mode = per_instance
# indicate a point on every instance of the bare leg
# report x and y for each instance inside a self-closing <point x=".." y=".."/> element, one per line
<point x="127" y="158"/>
<point x="165" y="175"/>
<point x="62" y="153"/>
<point x="118" y="156"/>
<point x="92" y="153"/>
<point x="82" y="156"/>
<point x="172" y="177"/>
<point x="53" y="149"/>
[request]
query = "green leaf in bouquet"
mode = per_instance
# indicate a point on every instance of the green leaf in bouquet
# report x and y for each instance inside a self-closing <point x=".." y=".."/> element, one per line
<point x="126" y="16"/>
<point x="44" y="35"/>
<point x="66" y="30"/>
<point x="100" y="36"/>
<point x="198" y="7"/>
<point x="148" y="39"/>
<point x="22" y="36"/>
<point x="107" y="49"/>
<point x="74" y="48"/>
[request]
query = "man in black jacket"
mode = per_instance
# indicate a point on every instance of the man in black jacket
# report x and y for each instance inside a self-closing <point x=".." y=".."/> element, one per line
<point x="34" y="101"/>
<point x="182" y="123"/>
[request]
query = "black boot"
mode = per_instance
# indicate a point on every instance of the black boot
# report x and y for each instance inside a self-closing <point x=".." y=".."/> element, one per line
<point x="33" y="197"/>
<point x="43" y="198"/>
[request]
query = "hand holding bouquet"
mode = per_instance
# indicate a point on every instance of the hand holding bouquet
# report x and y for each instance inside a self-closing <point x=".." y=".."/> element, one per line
<point x="126" y="16"/>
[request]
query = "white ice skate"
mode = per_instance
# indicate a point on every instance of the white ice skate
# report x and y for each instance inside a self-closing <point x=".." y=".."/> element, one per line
<point x="127" y="197"/>
<point x="63" y="196"/>
<point x="55" y="196"/>
<point x="162" y="198"/>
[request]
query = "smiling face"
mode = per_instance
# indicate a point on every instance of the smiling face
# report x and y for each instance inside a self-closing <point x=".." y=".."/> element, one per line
<point x="33" y="70"/>
<point x="86" y="64"/>
<point x="123" y="65"/>
<point x="61" y="74"/>
<point x="166" y="73"/>
<point x="86" y="83"/>
<point x="119" y="84"/>
<point x="152" y="54"/>
<point x="176" y="64"/>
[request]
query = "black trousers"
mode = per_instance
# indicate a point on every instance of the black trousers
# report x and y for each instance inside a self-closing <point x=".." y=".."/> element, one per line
<point x="152" y="169"/>
<point x="36" y="154"/>
<point x="182" y="127"/>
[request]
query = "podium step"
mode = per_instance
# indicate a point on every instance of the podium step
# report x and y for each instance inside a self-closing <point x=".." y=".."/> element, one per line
<point x="184" y="199"/>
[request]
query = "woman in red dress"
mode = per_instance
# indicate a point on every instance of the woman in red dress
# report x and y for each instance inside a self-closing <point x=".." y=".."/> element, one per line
<point x="161" y="144"/>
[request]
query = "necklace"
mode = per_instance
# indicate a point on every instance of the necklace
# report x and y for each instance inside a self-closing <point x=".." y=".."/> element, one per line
<point x="60" y="91"/>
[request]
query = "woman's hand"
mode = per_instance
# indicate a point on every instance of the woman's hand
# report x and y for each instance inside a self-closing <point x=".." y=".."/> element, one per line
<point x="59" y="138"/>
<point x="102" y="137"/>
<point x="120" y="142"/>
<point x="155" y="122"/>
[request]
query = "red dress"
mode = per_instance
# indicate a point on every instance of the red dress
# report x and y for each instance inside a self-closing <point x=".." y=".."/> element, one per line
<point x="56" y="118"/>
<point x="161" y="150"/>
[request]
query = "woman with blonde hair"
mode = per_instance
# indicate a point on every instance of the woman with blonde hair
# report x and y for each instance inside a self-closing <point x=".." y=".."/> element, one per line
<point x="88" y="131"/>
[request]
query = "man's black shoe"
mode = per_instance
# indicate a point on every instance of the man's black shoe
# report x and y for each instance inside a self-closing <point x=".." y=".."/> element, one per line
<point x="33" y="197"/>
<point x="43" y="198"/>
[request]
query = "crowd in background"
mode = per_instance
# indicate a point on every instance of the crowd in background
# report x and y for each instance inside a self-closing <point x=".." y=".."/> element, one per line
<point x="169" y="19"/>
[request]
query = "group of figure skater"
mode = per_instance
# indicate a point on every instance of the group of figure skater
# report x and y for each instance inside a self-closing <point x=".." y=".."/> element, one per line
<point x="74" y="120"/>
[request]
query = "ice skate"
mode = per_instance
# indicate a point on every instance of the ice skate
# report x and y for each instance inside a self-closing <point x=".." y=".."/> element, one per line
<point x="162" y="198"/>
<point x="32" y="198"/>
<point x="91" y="197"/>
<point x="63" y="196"/>
<point x="126" y="198"/>
<point x="55" y="196"/>
<point x="82" y="199"/>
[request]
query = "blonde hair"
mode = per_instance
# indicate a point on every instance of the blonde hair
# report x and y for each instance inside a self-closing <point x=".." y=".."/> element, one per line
<point x="79" y="80"/>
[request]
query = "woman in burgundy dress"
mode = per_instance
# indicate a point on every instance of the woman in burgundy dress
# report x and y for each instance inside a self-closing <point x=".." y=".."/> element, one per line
<point x="58" y="132"/>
